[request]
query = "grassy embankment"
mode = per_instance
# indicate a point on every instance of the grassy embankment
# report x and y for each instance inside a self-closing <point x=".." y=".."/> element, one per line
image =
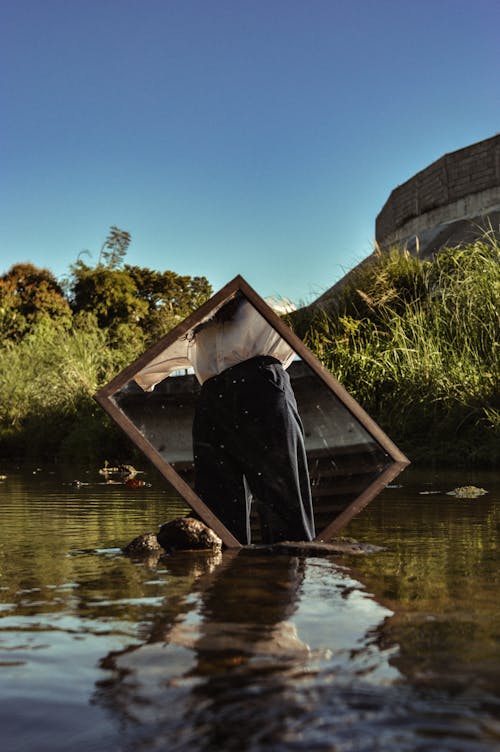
<point x="415" y="342"/>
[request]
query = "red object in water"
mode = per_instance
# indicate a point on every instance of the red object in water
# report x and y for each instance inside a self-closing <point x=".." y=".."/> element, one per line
<point x="134" y="483"/>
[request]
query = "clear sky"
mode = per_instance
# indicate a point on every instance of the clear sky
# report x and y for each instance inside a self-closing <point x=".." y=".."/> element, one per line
<point x="253" y="137"/>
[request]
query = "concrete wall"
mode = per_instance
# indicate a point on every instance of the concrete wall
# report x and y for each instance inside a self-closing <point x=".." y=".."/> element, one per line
<point x="463" y="186"/>
<point x="444" y="205"/>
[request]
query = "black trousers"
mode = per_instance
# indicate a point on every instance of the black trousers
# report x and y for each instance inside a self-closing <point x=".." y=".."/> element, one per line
<point x="248" y="444"/>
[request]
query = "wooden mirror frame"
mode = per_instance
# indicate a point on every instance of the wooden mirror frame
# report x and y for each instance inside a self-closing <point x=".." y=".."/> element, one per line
<point x="397" y="461"/>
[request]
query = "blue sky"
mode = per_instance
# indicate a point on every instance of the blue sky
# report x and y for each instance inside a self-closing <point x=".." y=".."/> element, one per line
<point x="231" y="137"/>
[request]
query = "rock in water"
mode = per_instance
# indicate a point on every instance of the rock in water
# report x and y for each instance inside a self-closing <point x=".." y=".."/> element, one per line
<point x="143" y="544"/>
<point x="186" y="533"/>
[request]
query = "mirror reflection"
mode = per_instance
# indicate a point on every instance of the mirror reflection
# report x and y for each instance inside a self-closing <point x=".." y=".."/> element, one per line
<point x="252" y="428"/>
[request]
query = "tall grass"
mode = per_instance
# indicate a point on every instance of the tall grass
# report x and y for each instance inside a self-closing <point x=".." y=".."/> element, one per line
<point x="416" y="342"/>
<point x="46" y="385"/>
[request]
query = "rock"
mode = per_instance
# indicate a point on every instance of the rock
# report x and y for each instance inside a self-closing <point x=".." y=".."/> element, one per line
<point x="144" y="544"/>
<point x="186" y="533"/>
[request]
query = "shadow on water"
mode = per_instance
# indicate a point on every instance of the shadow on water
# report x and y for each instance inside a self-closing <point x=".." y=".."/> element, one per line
<point x="249" y="650"/>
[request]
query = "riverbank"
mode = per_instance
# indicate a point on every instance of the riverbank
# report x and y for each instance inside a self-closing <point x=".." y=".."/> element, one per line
<point x="415" y="342"/>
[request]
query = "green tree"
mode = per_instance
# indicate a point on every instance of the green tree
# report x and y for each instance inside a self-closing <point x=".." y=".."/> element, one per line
<point x="110" y="294"/>
<point x="132" y="296"/>
<point x="28" y="295"/>
<point x="170" y="297"/>
<point x="106" y="290"/>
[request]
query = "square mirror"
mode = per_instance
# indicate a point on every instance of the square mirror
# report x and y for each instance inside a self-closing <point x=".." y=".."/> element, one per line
<point x="158" y="401"/>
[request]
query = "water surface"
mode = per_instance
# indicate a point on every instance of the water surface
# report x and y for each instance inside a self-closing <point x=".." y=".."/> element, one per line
<point x="247" y="650"/>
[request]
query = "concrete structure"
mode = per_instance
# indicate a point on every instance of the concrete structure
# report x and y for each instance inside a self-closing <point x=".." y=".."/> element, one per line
<point x="445" y="203"/>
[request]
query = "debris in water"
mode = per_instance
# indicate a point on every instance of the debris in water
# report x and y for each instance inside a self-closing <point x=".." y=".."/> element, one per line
<point x="126" y="471"/>
<point x="136" y="483"/>
<point x="467" y="492"/>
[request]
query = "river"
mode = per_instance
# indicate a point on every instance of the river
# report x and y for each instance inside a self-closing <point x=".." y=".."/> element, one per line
<point x="397" y="650"/>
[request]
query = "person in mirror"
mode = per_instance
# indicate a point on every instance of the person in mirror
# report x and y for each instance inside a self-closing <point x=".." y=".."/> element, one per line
<point x="248" y="440"/>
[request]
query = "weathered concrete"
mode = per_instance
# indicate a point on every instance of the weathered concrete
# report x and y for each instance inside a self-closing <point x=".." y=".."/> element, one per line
<point x="446" y="202"/>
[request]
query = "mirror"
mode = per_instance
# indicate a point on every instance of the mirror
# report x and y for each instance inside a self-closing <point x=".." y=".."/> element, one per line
<point x="156" y="400"/>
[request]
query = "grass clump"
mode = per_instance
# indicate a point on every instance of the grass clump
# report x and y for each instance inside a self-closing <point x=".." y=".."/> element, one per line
<point x="416" y="342"/>
<point x="46" y="385"/>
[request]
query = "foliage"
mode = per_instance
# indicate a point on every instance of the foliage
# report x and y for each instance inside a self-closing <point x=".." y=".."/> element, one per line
<point x="46" y="385"/>
<point x="132" y="302"/>
<point x="416" y="342"/>
<point x="170" y="297"/>
<point x="54" y="355"/>
<point x="28" y="295"/>
<point x="114" y="248"/>
<point x="110" y="294"/>
<point x="149" y="302"/>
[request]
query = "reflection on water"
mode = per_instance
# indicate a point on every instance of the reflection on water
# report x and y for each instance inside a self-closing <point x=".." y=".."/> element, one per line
<point x="246" y="650"/>
<point x="440" y="573"/>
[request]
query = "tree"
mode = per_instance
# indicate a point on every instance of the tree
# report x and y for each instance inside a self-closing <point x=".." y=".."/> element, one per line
<point x="170" y="297"/>
<point x="179" y="294"/>
<point x="106" y="290"/>
<point x="111" y="294"/>
<point x="29" y="294"/>
<point x="133" y="295"/>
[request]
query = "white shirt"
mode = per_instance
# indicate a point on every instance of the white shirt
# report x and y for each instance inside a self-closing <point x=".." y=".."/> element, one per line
<point x="219" y="346"/>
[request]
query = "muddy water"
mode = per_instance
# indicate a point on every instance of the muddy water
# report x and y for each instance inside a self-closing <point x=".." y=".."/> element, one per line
<point x="247" y="651"/>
